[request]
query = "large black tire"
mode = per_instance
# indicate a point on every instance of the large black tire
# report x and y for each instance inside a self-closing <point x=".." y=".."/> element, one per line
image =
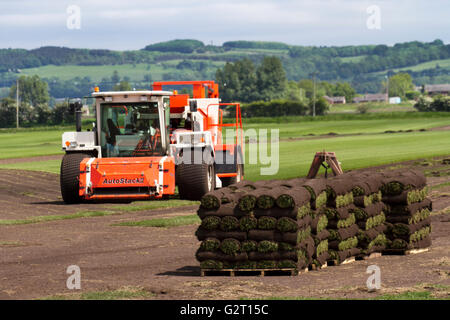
<point x="195" y="180"/>
<point x="70" y="175"/>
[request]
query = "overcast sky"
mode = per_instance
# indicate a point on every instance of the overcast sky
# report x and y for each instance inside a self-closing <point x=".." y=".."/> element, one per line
<point x="133" y="24"/>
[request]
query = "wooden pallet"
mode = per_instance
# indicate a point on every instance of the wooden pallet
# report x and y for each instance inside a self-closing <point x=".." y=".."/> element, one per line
<point x="373" y="255"/>
<point x="337" y="263"/>
<point x="391" y="252"/>
<point x="251" y="272"/>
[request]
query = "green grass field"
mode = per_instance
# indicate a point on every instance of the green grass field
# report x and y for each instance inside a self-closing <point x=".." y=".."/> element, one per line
<point x="297" y="127"/>
<point x="373" y="107"/>
<point x="444" y="63"/>
<point x="24" y="143"/>
<point x="356" y="151"/>
<point x="30" y="142"/>
<point x="96" y="73"/>
<point x="361" y="142"/>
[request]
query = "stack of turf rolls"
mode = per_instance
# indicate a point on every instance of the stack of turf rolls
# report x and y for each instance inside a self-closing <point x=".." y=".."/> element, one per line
<point x="319" y="233"/>
<point x="369" y="211"/>
<point x="261" y="225"/>
<point x="342" y="241"/>
<point x="407" y="210"/>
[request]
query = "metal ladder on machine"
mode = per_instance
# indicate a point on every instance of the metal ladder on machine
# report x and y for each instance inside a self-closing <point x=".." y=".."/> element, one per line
<point x="319" y="161"/>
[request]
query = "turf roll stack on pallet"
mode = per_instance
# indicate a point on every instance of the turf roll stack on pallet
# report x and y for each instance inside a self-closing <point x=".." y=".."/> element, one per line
<point x="300" y="223"/>
<point x="369" y="212"/>
<point x="408" y="211"/>
<point x="342" y="241"/>
<point x="261" y="225"/>
<point x="319" y="222"/>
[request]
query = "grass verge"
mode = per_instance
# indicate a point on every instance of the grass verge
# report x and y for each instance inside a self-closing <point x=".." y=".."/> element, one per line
<point x="441" y="185"/>
<point x="155" y="204"/>
<point x="120" y="294"/>
<point x="163" y="222"/>
<point x="11" y="244"/>
<point x="409" y="295"/>
<point x="39" y="219"/>
<point x="114" y="210"/>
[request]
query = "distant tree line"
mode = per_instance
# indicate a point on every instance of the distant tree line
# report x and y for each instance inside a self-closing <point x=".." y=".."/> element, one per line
<point x="260" y="85"/>
<point x="34" y="105"/>
<point x="352" y="63"/>
<point x="256" y="45"/>
<point x="183" y="46"/>
<point x="40" y="114"/>
<point x="438" y="103"/>
<point x="279" y="108"/>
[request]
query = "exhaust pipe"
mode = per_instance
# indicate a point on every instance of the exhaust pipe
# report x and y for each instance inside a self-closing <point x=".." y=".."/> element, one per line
<point x="76" y="107"/>
<point x="78" y="112"/>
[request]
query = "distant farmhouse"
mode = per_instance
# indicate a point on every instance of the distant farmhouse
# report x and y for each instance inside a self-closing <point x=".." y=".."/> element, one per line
<point x="433" y="89"/>
<point x="378" y="97"/>
<point x="395" y="100"/>
<point x="335" y="100"/>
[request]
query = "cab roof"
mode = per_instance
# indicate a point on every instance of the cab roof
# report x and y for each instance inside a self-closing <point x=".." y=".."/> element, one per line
<point x="133" y="93"/>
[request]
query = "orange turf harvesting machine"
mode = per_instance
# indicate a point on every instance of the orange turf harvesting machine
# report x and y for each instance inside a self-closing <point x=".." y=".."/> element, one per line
<point x="145" y="143"/>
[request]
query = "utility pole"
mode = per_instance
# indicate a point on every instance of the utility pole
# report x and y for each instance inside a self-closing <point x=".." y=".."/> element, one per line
<point x="387" y="88"/>
<point x="17" y="103"/>
<point x="314" y="92"/>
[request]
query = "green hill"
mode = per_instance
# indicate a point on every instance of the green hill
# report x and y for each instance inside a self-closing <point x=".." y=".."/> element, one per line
<point x="73" y="72"/>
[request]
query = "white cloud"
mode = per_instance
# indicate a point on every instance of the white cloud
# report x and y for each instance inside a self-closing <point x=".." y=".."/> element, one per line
<point x="133" y="24"/>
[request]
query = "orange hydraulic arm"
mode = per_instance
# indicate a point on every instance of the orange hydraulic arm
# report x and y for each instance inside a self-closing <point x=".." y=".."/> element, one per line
<point x="198" y="87"/>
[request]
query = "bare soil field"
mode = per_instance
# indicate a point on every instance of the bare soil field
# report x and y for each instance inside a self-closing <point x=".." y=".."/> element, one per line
<point x="160" y="261"/>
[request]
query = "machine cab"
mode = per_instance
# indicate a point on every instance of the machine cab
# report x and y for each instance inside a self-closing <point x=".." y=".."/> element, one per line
<point x="132" y="123"/>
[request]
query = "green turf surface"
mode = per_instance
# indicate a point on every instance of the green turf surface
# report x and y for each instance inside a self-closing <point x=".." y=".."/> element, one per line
<point x="372" y="107"/>
<point x="406" y="116"/>
<point x="364" y="146"/>
<point x="356" y="151"/>
<point x="353" y="152"/>
<point x="305" y="128"/>
<point x="30" y="142"/>
<point x="23" y="144"/>
<point x="52" y="166"/>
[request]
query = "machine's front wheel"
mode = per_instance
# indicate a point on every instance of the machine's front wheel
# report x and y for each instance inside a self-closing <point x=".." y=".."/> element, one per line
<point x="70" y="175"/>
<point x="195" y="180"/>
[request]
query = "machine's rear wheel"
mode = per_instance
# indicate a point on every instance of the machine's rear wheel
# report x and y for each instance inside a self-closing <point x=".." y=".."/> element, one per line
<point x="239" y="169"/>
<point x="69" y="177"/>
<point x="195" y="180"/>
<point x="232" y="180"/>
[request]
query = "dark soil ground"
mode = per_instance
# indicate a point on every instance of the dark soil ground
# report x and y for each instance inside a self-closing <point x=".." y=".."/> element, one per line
<point x="34" y="257"/>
